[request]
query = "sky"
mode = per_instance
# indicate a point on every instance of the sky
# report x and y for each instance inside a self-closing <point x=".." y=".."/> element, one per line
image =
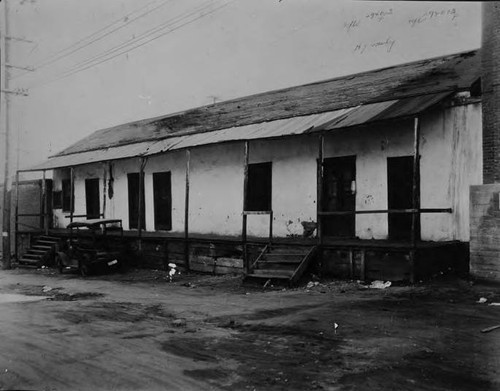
<point x="100" y="63"/>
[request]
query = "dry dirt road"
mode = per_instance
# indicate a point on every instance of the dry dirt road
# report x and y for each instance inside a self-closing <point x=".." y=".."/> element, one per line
<point x="136" y="331"/>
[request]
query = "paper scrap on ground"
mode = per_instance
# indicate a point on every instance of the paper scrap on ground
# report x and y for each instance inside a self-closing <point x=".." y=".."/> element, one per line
<point x="377" y="284"/>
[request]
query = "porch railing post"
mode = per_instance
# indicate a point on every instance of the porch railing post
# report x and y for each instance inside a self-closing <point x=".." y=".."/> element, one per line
<point x="42" y="201"/>
<point x="104" y="188"/>
<point x="72" y="194"/>
<point x="143" y="162"/>
<point x="244" y="227"/>
<point x="16" y="220"/>
<point x="45" y="205"/>
<point x="186" y="211"/>
<point x="270" y="228"/>
<point x="415" y="217"/>
<point x="319" y="196"/>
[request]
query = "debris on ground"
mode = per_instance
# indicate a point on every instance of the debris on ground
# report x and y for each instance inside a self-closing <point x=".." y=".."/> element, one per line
<point x="312" y="284"/>
<point x="46" y="288"/>
<point x="482" y="300"/>
<point x="172" y="271"/>
<point x="377" y="284"/>
<point x="267" y="283"/>
<point x="488" y="329"/>
<point x="179" y="322"/>
<point x="494" y="304"/>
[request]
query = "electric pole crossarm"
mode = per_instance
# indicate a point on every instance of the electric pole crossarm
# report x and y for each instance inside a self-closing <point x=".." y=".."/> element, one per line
<point x="29" y="69"/>
<point x="21" y="92"/>
<point x="19" y="39"/>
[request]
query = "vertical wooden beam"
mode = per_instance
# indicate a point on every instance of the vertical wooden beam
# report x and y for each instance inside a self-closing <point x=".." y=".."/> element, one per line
<point x="143" y="162"/>
<point x="72" y="194"/>
<point x="319" y="196"/>
<point x="42" y="202"/>
<point x="363" y="265"/>
<point x="16" y="221"/>
<point x="45" y="205"/>
<point x="104" y="188"/>
<point x="245" y="190"/>
<point x="270" y="228"/>
<point x="415" y="217"/>
<point x="186" y="211"/>
<point x="351" y="263"/>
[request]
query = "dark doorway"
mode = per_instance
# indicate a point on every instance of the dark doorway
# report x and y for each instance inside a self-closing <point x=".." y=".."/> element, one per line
<point x="66" y="195"/>
<point x="162" y="193"/>
<point x="133" y="201"/>
<point x="47" y="204"/>
<point x="92" y="198"/>
<point x="339" y="194"/>
<point x="400" y="196"/>
<point x="259" y="190"/>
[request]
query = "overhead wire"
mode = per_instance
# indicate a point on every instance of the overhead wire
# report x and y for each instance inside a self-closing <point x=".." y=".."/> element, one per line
<point x="84" y="42"/>
<point x="131" y="41"/>
<point x="145" y="34"/>
<point x="103" y="57"/>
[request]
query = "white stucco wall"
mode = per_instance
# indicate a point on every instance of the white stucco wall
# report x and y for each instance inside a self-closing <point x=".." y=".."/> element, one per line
<point x="450" y="162"/>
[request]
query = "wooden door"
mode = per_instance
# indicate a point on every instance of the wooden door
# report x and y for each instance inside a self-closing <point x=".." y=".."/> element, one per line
<point x="162" y="194"/>
<point x="400" y="196"/>
<point x="339" y="195"/>
<point x="133" y="201"/>
<point x="92" y="198"/>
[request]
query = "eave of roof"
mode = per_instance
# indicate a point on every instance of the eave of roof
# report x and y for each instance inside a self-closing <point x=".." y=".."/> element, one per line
<point x="314" y="123"/>
<point x="438" y="75"/>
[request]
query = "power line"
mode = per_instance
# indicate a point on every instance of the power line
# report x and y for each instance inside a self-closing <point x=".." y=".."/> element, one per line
<point x="80" y="69"/>
<point x="150" y="32"/>
<point x="125" y="44"/>
<point x="82" y="43"/>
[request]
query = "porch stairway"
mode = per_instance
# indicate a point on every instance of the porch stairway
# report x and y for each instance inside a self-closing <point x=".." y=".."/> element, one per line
<point x="282" y="262"/>
<point x="40" y="253"/>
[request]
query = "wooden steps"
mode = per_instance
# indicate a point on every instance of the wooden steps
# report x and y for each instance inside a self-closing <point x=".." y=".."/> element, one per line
<point x="286" y="263"/>
<point x="40" y="253"/>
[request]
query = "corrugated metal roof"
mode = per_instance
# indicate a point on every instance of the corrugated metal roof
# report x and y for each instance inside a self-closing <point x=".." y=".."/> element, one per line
<point x="100" y="155"/>
<point x="278" y="128"/>
<point x="449" y="73"/>
<point x="330" y="121"/>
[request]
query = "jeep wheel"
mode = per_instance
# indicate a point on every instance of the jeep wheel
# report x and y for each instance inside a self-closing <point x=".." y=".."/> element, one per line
<point x="59" y="263"/>
<point x="84" y="270"/>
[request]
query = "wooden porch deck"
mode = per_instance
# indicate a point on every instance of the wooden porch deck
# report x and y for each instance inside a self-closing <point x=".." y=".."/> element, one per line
<point x="293" y="241"/>
<point x="341" y="258"/>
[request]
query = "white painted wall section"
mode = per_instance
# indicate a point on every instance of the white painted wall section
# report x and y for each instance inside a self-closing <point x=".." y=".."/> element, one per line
<point x="451" y="161"/>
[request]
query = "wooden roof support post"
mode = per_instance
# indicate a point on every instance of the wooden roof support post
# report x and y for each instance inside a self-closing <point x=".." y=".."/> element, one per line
<point x="40" y="199"/>
<point x="186" y="211"/>
<point x="319" y="197"/>
<point x="245" y="190"/>
<point x="415" y="217"/>
<point x="72" y="193"/>
<point x="16" y="219"/>
<point x="143" y="162"/>
<point x="104" y="188"/>
<point x="44" y="221"/>
<point x="271" y="228"/>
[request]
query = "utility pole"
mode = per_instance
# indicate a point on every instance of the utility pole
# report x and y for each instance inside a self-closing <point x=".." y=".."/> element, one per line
<point x="5" y="126"/>
<point x="6" y="195"/>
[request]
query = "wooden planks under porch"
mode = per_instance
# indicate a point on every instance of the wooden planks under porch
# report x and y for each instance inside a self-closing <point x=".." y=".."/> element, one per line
<point x="339" y="258"/>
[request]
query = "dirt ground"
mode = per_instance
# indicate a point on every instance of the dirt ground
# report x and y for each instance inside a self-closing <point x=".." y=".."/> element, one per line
<point x="137" y="331"/>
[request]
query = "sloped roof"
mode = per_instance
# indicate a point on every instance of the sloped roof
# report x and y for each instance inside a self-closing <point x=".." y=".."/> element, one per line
<point x="438" y="75"/>
<point x="329" y="121"/>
